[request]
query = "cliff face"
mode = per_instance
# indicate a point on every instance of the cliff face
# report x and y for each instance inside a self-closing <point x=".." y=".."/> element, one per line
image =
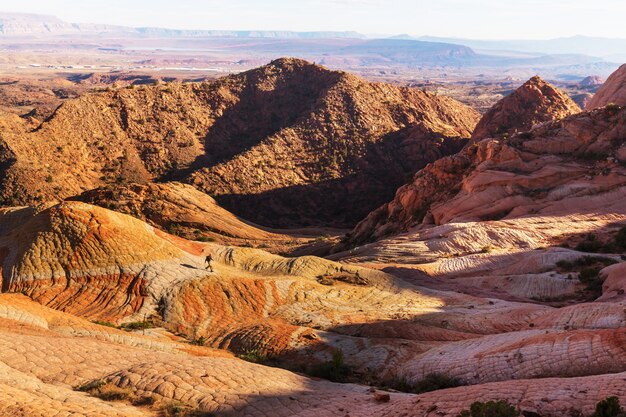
<point x="612" y="91"/>
<point x="498" y="179"/>
<point x="290" y="143"/>
<point x="534" y="102"/>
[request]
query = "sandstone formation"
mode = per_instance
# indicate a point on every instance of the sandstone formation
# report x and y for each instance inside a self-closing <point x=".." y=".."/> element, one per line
<point x="463" y="316"/>
<point x="613" y="91"/>
<point x="534" y="102"/>
<point x="184" y="211"/>
<point x="570" y="166"/>
<point x="287" y="144"/>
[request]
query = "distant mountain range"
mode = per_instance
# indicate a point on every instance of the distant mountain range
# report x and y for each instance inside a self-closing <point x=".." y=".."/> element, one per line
<point x="24" y="24"/>
<point x="608" y="48"/>
<point x="574" y="57"/>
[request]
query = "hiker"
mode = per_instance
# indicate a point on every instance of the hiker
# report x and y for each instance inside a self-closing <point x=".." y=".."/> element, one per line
<point x="207" y="261"/>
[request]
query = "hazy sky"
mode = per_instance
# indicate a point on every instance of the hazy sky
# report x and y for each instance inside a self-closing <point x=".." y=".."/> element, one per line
<point x="485" y="19"/>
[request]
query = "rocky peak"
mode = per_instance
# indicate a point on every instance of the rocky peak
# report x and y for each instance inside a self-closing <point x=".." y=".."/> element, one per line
<point x="536" y="101"/>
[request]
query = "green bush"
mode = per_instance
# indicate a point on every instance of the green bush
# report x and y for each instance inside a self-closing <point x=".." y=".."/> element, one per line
<point x="137" y="325"/>
<point x="609" y="407"/>
<point x="253" y="356"/>
<point x="590" y="276"/>
<point x="500" y="408"/>
<point x="590" y="244"/>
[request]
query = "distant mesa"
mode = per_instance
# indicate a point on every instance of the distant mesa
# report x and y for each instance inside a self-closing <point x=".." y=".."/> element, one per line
<point x="536" y="101"/>
<point x="592" y="81"/>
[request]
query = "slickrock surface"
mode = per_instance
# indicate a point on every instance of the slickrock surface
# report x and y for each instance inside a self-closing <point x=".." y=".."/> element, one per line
<point x="534" y="102"/>
<point x="99" y="264"/>
<point x="288" y="144"/>
<point x="612" y="91"/>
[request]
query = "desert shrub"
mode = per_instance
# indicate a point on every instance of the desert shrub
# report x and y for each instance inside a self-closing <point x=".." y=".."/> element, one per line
<point x="590" y="244"/>
<point x="613" y="107"/>
<point x="111" y="392"/>
<point x="253" y="355"/>
<point x="436" y="381"/>
<point x="205" y="239"/>
<point x="620" y="239"/>
<point x="104" y="323"/>
<point x="334" y="370"/>
<point x="91" y="385"/>
<point x="199" y="341"/>
<point x="590" y="276"/>
<point x="106" y="391"/>
<point x="137" y="325"/>
<point x="609" y="407"/>
<point x="486" y="249"/>
<point x="431" y="382"/>
<point x="181" y="410"/>
<point x="500" y="408"/>
<point x="569" y="266"/>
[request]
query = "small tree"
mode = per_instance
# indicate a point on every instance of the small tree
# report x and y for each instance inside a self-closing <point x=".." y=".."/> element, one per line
<point x="609" y="407"/>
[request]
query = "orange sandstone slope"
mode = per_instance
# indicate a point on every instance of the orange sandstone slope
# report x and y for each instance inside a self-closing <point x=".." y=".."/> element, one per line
<point x="534" y="102"/>
<point x="103" y="265"/>
<point x="287" y="144"/>
<point x="184" y="211"/>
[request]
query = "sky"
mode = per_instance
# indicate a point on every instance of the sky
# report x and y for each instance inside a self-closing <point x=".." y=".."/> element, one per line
<point x="477" y="19"/>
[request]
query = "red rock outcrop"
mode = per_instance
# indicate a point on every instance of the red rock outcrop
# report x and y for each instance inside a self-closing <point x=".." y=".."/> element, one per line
<point x="543" y="170"/>
<point x="534" y="102"/>
<point x="613" y="91"/>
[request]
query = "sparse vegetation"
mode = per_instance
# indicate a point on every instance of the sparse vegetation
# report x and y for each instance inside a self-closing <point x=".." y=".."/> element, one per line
<point x="431" y="382"/>
<point x="104" y="323"/>
<point x="138" y="325"/>
<point x="609" y="407"/>
<point x="589" y="244"/>
<point x="500" y="408"/>
<point x="253" y="355"/>
<point x="198" y="341"/>
<point x="181" y="410"/>
<point x="334" y="370"/>
<point x="613" y="107"/>
<point x="111" y="392"/>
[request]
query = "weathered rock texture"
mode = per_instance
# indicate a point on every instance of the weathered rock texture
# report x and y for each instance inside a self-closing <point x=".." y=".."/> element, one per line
<point x="566" y="167"/>
<point x="534" y="102"/>
<point x="183" y="210"/>
<point x="612" y="91"/>
<point x="287" y="144"/>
